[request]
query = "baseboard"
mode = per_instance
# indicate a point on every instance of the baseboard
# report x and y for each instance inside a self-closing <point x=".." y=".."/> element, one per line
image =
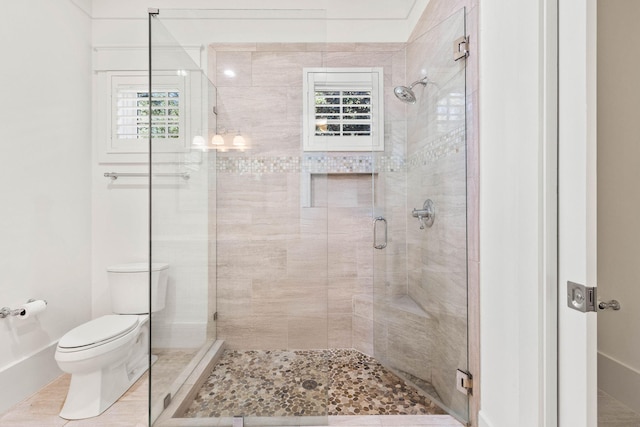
<point x="619" y="381"/>
<point x="483" y="420"/>
<point x="26" y="377"/>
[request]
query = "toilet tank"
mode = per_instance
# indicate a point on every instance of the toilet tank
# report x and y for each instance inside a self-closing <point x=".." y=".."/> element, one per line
<point x="129" y="287"/>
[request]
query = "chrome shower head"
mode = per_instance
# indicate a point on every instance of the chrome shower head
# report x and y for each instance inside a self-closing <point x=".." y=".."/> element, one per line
<point x="406" y="94"/>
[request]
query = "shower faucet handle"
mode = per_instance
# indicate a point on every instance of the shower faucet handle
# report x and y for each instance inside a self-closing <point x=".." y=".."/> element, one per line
<point x="425" y="215"/>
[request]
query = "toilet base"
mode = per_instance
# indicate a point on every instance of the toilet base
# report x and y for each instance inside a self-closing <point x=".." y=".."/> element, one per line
<point x="91" y="394"/>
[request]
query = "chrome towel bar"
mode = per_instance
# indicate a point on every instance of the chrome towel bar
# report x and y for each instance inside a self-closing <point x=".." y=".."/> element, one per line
<point x="116" y="175"/>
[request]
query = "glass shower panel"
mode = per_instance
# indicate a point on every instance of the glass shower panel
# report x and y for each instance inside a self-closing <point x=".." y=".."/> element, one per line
<point x="182" y="211"/>
<point x="420" y="277"/>
<point x="269" y="202"/>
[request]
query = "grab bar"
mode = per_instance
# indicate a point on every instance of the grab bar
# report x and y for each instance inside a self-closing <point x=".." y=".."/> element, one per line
<point x="375" y="222"/>
<point x="116" y="175"/>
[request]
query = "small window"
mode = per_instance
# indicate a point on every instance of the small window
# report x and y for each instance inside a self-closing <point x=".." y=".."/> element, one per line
<point x="132" y="113"/>
<point x="128" y="117"/>
<point x="343" y="109"/>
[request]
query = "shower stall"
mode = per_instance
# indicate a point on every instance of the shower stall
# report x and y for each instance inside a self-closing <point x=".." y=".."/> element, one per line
<point x="311" y="204"/>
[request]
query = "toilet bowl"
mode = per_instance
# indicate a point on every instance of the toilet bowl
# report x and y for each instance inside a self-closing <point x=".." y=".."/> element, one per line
<point x="106" y="355"/>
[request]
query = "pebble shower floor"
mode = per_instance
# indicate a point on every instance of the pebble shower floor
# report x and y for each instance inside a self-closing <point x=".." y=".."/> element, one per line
<point x="305" y="383"/>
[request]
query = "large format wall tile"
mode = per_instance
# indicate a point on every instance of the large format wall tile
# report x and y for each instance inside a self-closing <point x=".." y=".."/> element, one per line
<point x="291" y="270"/>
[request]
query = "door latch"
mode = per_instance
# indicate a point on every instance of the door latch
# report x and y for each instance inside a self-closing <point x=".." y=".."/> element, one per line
<point x="581" y="298"/>
<point x="606" y="305"/>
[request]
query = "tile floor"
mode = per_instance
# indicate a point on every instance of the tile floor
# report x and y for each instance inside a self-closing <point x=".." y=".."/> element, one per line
<point x="131" y="410"/>
<point x="42" y="408"/>
<point x="281" y="383"/>
<point x="612" y="413"/>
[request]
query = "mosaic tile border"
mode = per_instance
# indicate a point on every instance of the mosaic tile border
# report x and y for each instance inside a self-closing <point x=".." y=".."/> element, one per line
<point x="444" y="146"/>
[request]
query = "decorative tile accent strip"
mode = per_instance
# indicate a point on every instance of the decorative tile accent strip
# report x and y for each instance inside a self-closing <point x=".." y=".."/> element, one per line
<point x="310" y="163"/>
<point x="439" y="148"/>
<point x="434" y="150"/>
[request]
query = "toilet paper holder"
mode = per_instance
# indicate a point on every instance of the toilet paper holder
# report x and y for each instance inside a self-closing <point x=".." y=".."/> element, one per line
<point x="6" y="311"/>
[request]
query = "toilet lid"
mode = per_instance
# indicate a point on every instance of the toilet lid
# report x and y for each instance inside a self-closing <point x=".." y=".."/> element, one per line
<point x="100" y="330"/>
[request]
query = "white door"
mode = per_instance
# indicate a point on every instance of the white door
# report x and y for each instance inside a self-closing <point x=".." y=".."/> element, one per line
<point x="577" y="332"/>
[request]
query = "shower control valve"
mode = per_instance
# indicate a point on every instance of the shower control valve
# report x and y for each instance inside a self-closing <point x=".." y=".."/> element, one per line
<point x="425" y="215"/>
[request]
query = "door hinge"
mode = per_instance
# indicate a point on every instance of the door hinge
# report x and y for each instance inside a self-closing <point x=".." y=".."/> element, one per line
<point x="581" y="298"/>
<point x="461" y="48"/>
<point x="464" y="382"/>
<point x="215" y="316"/>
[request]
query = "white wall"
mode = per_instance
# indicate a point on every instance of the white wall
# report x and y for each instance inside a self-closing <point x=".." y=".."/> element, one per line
<point x="45" y="166"/>
<point x="511" y="213"/>
<point x="327" y="20"/>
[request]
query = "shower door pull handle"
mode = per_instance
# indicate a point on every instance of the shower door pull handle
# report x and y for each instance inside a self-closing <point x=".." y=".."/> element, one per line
<point x="375" y="228"/>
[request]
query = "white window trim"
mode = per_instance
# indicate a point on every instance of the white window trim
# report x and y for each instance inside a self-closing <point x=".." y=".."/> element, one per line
<point x="316" y="78"/>
<point x="114" y="150"/>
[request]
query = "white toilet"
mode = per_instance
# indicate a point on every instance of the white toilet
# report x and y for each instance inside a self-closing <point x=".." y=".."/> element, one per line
<point x="105" y="356"/>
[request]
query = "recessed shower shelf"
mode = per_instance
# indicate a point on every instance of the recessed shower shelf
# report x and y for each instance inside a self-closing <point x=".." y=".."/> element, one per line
<point x="306" y="180"/>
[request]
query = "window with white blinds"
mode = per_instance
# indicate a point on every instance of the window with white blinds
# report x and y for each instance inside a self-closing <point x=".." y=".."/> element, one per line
<point x="132" y="113"/>
<point x="343" y="112"/>
<point x="128" y="118"/>
<point x="343" y="109"/>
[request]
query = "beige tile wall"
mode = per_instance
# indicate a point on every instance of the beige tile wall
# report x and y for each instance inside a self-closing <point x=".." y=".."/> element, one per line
<point x="287" y="274"/>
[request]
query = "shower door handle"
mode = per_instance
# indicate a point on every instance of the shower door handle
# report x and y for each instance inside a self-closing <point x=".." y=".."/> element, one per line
<point x="375" y="233"/>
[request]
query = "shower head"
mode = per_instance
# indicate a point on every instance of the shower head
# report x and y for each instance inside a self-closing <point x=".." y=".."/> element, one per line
<point x="406" y="94"/>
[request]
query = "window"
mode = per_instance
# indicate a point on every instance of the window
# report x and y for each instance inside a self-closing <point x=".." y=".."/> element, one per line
<point x="132" y="113"/>
<point x="129" y="118"/>
<point x="122" y="112"/>
<point x="343" y="109"/>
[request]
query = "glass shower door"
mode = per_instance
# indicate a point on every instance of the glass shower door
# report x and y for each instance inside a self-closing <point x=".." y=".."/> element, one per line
<point x="420" y="277"/>
<point x="179" y="102"/>
<point x="267" y="220"/>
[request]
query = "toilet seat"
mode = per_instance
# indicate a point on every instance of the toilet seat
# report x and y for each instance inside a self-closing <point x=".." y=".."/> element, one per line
<point x="98" y="332"/>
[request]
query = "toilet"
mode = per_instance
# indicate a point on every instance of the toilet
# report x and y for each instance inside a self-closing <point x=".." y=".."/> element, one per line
<point x="106" y="355"/>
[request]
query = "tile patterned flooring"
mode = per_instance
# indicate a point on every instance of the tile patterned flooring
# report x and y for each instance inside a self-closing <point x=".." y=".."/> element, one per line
<point x="42" y="408"/>
<point x="305" y="383"/>
<point x="612" y="413"/>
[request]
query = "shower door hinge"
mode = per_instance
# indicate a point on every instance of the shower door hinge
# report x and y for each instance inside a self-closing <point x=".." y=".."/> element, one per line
<point x="461" y="48"/>
<point x="464" y="382"/>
